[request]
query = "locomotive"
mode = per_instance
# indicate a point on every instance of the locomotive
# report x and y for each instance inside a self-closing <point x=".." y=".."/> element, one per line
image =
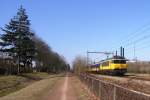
<point x="113" y="66"/>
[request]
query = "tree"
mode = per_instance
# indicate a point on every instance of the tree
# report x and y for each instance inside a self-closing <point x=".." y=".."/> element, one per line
<point x="17" y="41"/>
<point x="79" y="64"/>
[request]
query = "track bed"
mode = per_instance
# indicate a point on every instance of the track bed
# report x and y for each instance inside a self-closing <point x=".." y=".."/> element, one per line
<point x="137" y="82"/>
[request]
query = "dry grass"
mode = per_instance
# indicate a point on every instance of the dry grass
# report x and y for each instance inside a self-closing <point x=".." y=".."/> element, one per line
<point x="12" y="83"/>
<point x="35" y="91"/>
<point x="36" y="75"/>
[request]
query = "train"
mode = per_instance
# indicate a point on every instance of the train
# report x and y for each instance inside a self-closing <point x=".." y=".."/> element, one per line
<point x="116" y="65"/>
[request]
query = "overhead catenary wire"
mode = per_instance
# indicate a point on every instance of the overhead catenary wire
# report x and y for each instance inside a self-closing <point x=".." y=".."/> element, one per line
<point x="137" y="32"/>
<point x="141" y="45"/>
<point x="132" y="41"/>
<point x="134" y="34"/>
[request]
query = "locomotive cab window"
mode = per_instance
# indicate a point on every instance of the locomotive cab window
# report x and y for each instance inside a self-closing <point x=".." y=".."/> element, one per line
<point x="119" y="61"/>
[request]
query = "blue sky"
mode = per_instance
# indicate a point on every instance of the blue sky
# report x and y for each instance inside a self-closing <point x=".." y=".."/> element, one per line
<point x="71" y="27"/>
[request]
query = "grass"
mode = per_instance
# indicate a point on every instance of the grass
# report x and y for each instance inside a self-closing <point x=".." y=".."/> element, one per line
<point x="35" y="91"/>
<point x="36" y="75"/>
<point x="12" y="83"/>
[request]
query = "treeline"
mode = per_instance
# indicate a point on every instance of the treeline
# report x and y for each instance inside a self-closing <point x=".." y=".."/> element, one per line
<point x="21" y="51"/>
<point x="139" y="67"/>
<point x="48" y="60"/>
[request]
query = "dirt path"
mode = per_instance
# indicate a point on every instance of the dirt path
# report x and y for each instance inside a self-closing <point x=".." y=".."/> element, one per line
<point x="63" y="90"/>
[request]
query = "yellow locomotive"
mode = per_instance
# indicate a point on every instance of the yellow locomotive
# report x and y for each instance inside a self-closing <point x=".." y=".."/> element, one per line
<point x="113" y="66"/>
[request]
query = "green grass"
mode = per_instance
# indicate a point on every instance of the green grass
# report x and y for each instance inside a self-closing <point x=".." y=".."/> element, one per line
<point x="12" y="83"/>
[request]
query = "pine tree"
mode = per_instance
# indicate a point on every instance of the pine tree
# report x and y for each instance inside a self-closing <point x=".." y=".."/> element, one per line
<point x="17" y="40"/>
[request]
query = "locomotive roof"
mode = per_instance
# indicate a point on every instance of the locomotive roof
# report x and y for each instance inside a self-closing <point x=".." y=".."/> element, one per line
<point x="114" y="58"/>
<point x="108" y="59"/>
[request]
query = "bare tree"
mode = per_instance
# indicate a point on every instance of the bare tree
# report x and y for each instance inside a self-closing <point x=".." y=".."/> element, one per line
<point x="79" y="64"/>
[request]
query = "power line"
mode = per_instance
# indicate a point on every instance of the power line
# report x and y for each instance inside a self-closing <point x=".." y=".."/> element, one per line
<point x="138" y="40"/>
<point x="135" y="33"/>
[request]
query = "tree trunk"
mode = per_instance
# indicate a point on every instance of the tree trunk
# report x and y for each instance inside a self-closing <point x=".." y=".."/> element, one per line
<point x="18" y="65"/>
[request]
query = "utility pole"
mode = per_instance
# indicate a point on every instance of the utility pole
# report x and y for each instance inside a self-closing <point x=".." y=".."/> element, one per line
<point x="134" y="51"/>
<point x="87" y="62"/>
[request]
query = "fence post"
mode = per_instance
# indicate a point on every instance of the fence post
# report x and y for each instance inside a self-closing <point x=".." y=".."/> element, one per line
<point x="99" y="89"/>
<point x="92" y="84"/>
<point x="114" y="97"/>
<point x="87" y="81"/>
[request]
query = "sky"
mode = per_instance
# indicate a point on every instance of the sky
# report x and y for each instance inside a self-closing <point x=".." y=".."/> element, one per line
<point x="73" y="27"/>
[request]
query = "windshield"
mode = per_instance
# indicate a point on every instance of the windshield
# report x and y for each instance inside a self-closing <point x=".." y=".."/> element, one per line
<point x="119" y="61"/>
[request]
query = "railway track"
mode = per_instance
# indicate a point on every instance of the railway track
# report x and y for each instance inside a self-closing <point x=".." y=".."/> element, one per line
<point x="117" y="88"/>
<point x="144" y="77"/>
<point x="132" y="81"/>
